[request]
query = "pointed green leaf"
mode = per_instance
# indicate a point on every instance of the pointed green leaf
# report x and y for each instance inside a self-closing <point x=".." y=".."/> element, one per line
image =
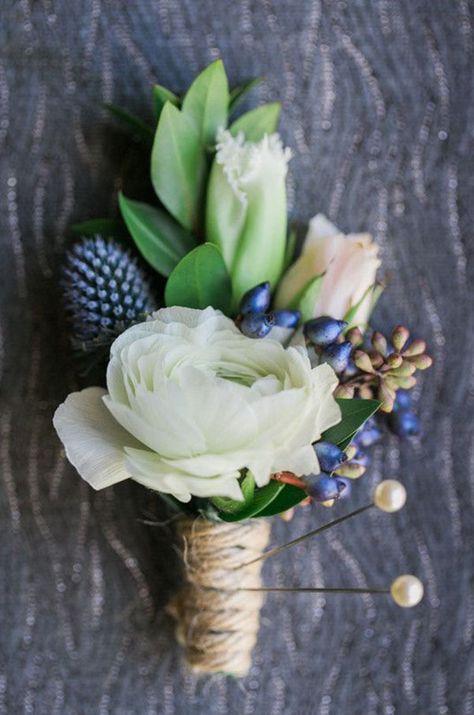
<point x="140" y="129"/>
<point x="200" y="280"/>
<point x="372" y="294"/>
<point x="308" y="300"/>
<point x="178" y="166"/>
<point x="287" y="498"/>
<point x="238" y="93"/>
<point x="262" y="499"/>
<point x="103" y="226"/>
<point x="232" y="506"/>
<point x="258" y="122"/>
<point x="290" y="247"/>
<point x="160" y="96"/>
<point x="207" y="100"/>
<point x="354" y="413"/>
<point x="305" y="300"/>
<point x="160" y="240"/>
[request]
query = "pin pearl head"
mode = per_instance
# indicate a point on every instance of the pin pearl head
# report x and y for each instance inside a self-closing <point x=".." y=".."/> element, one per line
<point x="390" y="495"/>
<point x="407" y="591"/>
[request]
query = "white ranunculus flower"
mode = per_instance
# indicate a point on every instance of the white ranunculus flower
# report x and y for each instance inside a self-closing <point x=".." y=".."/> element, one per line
<point x="349" y="263"/>
<point x="191" y="401"/>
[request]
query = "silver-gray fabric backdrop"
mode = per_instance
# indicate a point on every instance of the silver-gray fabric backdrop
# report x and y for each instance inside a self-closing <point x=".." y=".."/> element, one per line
<point x="379" y="110"/>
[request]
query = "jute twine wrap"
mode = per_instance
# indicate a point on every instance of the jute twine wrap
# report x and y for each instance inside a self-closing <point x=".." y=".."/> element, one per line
<point x="216" y="623"/>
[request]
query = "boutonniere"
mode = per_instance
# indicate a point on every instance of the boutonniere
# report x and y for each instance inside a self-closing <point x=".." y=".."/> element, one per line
<point x="253" y="384"/>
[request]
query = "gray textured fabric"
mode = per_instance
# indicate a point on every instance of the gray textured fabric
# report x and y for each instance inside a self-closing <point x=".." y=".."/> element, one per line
<point x="378" y="107"/>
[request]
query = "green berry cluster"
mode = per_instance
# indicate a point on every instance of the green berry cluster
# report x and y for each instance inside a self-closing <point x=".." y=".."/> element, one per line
<point x="387" y="365"/>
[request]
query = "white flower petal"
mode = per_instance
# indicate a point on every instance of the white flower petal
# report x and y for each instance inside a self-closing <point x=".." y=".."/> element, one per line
<point x="93" y="440"/>
<point x="147" y="469"/>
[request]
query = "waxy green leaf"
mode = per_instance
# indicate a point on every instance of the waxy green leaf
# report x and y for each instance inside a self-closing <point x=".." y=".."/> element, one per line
<point x="355" y="412"/>
<point x="200" y="280"/>
<point x="262" y="499"/>
<point x="178" y="166"/>
<point x="206" y="102"/>
<point x="306" y="298"/>
<point x="290" y="247"/>
<point x="287" y="498"/>
<point x="238" y="93"/>
<point x="104" y="226"/>
<point x="160" y="96"/>
<point x="160" y="240"/>
<point x="232" y="506"/>
<point x="258" y="122"/>
<point x="140" y="129"/>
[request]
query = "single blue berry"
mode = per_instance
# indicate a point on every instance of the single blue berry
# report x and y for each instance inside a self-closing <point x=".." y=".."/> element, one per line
<point x="361" y="457"/>
<point x="329" y="455"/>
<point x="404" y="423"/>
<point x="324" y="330"/>
<point x="337" y="355"/>
<point x="323" y="487"/>
<point x="403" y="400"/>
<point x="369" y="434"/>
<point x="105" y="290"/>
<point x="286" y="318"/>
<point x="348" y="483"/>
<point x="256" y="300"/>
<point x="256" y="325"/>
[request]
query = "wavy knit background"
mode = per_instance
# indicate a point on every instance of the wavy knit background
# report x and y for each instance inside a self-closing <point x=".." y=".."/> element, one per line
<point x="379" y="110"/>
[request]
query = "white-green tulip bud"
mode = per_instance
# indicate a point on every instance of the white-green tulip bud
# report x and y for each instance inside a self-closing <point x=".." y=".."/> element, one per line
<point x="246" y="208"/>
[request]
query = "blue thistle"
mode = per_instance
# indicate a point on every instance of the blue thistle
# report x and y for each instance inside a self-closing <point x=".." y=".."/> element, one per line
<point x="105" y="291"/>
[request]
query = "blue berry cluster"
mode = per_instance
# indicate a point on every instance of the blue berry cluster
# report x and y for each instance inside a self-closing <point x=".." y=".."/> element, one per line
<point x="256" y="320"/>
<point x="324" y="334"/>
<point x="403" y="420"/>
<point x="105" y="290"/>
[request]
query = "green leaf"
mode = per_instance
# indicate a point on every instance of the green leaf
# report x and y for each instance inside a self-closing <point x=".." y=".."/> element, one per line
<point x="207" y="100"/>
<point x="354" y="413"/>
<point x="238" y="93"/>
<point x="262" y="499"/>
<point x="140" y="129"/>
<point x="178" y="166"/>
<point x="376" y="293"/>
<point x="160" y="240"/>
<point x="287" y="498"/>
<point x="305" y="300"/>
<point x="372" y="294"/>
<point x="103" y="226"/>
<point x="160" y="96"/>
<point x="200" y="279"/>
<point x="290" y="247"/>
<point x="232" y="506"/>
<point x="258" y="122"/>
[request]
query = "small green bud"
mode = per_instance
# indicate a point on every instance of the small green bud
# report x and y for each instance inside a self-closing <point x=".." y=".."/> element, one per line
<point x="355" y="336"/>
<point x="351" y="471"/>
<point x="421" y="362"/>
<point x="376" y="359"/>
<point x="406" y="383"/>
<point x="351" y="451"/>
<point x="362" y="361"/>
<point x="366" y="392"/>
<point x="394" y="360"/>
<point x="400" y="335"/>
<point x="386" y="397"/>
<point x="345" y="392"/>
<point x="379" y="342"/>
<point x="405" y="370"/>
<point x="417" y="347"/>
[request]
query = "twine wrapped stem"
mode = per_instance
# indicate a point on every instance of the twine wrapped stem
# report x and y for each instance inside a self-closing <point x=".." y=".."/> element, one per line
<point x="216" y="623"/>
